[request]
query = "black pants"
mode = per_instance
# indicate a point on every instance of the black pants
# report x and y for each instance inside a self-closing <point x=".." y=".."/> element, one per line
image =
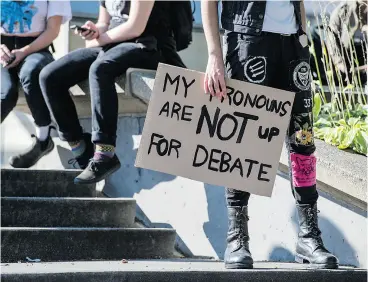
<point x="281" y="62"/>
<point x="101" y="65"/>
<point x="27" y="74"/>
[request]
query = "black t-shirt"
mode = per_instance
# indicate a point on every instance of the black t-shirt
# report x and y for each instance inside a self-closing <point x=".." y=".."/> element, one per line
<point x="158" y="23"/>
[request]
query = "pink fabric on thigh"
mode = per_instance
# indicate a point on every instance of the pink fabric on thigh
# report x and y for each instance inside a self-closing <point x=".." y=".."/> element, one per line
<point x="303" y="170"/>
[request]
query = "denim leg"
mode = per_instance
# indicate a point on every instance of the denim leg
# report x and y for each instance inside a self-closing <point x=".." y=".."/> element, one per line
<point x="56" y="79"/>
<point x="9" y="91"/>
<point x="300" y="136"/>
<point x="109" y="65"/>
<point x="29" y="73"/>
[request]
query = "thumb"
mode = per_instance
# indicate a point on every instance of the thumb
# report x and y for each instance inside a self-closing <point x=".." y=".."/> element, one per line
<point x="89" y="24"/>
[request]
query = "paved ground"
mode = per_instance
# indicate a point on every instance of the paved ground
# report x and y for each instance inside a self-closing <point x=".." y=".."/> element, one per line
<point x="178" y="265"/>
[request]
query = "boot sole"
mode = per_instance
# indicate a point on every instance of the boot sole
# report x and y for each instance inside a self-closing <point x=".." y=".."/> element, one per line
<point x="95" y="180"/>
<point x="304" y="260"/>
<point x="238" y="266"/>
<point x="39" y="157"/>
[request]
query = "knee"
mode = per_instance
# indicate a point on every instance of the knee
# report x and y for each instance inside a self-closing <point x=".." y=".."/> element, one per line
<point x="9" y="98"/>
<point x="49" y="77"/>
<point x="29" y="74"/>
<point x="99" y="68"/>
<point x="9" y="91"/>
<point x="45" y="76"/>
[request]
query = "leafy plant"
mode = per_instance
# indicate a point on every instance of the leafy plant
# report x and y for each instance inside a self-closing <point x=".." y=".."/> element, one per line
<point x="350" y="132"/>
<point x="341" y="121"/>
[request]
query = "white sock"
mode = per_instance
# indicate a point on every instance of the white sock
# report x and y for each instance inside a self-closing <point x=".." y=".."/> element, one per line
<point x="42" y="132"/>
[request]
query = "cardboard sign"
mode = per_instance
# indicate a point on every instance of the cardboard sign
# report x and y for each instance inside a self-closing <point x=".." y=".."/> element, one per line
<point x="235" y="142"/>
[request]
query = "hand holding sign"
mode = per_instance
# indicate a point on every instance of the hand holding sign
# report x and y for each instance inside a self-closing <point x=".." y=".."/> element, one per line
<point x="214" y="80"/>
<point x="234" y="142"/>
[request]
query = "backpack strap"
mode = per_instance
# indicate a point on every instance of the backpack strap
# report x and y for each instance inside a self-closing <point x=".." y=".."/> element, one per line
<point x="52" y="48"/>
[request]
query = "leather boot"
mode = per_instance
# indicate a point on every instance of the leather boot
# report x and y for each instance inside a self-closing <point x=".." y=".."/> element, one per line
<point x="237" y="255"/>
<point x="310" y="248"/>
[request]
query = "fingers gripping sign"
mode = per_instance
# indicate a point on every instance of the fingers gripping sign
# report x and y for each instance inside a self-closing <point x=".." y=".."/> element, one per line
<point x="214" y="82"/>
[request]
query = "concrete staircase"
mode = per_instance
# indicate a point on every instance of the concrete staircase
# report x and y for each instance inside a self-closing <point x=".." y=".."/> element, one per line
<point x="45" y="216"/>
<point x="81" y="237"/>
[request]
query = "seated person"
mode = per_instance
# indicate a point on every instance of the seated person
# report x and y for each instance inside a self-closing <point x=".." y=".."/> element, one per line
<point x="347" y="26"/>
<point x="27" y="30"/>
<point x="114" y="44"/>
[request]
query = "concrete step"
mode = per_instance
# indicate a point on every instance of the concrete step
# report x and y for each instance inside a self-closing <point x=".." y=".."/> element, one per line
<point x="70" y="244"/>
<point x="172" y="271"/>
<point x="43" y="183"/>
<point x="67" y="212"/>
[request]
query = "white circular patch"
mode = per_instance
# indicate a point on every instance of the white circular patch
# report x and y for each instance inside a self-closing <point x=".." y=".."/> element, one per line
<point x="255" y="69"/>
<point x="301" y="76"/>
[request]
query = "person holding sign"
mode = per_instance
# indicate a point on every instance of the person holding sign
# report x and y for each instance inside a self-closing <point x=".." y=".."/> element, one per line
<point x="265" y="43"/>
<point x="125" y="36"/>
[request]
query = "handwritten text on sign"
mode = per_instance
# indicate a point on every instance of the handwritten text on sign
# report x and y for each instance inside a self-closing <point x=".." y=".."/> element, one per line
<point x="234" y="142"/>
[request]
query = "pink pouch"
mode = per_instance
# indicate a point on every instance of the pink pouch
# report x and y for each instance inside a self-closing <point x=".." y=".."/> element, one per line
<point x="303" y="170"/>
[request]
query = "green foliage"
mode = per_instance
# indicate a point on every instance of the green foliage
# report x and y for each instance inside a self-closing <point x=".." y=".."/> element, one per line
<point x="342" y="120"/>
<point x="340" y="129"/>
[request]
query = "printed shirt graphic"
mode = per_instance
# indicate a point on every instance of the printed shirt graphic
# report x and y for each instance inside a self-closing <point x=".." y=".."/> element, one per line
<point x="118" y="10"/>
<point x="27" y="17"/>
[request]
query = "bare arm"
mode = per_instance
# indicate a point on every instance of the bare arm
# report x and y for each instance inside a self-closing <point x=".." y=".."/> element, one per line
<point x="100" y="27"/>
<point x="211" y="27"/>
<point x="138" y="17"/>
<point x="45" y="39"/>
<point x="214" y="82"/>
<point x="103" y="20"/>
<point x="303" y="16"/>
<point x="363" y="68"/>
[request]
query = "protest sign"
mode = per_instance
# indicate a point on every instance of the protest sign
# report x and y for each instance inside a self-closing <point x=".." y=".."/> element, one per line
<point x="234" y="142"/>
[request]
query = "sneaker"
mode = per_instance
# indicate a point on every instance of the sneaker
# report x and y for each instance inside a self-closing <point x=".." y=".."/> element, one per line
<point x="83" y="159"/>
<point x="31" y="156"/>
<point x="98" y="170"/>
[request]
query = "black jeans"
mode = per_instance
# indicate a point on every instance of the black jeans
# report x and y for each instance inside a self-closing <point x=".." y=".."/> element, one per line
<point x="281" y="62"/>
<point x="101" y="65"/>
<point x="27" y="74"/>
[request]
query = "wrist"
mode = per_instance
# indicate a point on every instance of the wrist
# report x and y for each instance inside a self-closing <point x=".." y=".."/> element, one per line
<point x="97" y="33"/>
<point x="102" y="28"/>
<point x="26" y="50"/>
<point x="103" y="39"/>
<point x="215" y="52"/>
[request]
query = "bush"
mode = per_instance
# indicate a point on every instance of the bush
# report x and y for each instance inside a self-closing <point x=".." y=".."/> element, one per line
<point x="343" y="120"/>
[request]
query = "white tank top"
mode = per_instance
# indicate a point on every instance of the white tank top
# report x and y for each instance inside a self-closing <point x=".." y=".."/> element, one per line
<point x="280" y="17"/>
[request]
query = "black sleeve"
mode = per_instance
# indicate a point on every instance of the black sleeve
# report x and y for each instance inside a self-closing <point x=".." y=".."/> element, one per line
<point x="102" y="3"/>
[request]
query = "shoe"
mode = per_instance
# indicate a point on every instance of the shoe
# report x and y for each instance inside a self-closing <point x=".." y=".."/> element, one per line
<point x="98" y="170"/>
<point x="310" y="248"/>
<point x="237" y="254"/>
<point x="83" y="159"/>
<point x="32" y="155"/>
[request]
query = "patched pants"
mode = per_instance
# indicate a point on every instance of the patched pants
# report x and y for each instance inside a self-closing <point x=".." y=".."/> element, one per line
<point x="279" y="61"/>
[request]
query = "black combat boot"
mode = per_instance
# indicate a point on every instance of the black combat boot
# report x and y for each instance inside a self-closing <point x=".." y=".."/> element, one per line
<point x="237" y="255"/>
<point x="310" y="248"/>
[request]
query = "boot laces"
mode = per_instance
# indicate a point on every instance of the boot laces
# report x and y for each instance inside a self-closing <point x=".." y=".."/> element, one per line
<point x="313" y="224"/>
<point x="241" y="220"/>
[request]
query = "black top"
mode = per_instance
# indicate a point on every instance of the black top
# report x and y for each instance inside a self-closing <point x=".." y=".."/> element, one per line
<point x="158" y="23"/>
